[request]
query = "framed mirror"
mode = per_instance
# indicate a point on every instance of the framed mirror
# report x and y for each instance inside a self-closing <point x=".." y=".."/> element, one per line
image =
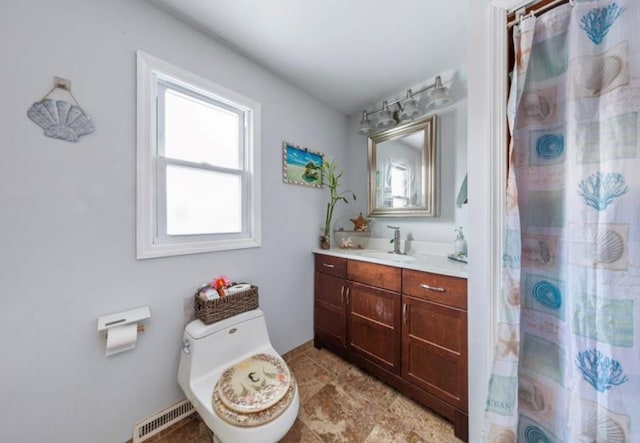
<point x="402" y="170"/>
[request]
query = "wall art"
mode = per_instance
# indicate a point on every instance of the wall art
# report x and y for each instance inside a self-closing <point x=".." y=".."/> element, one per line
<point x="301" y="166"/>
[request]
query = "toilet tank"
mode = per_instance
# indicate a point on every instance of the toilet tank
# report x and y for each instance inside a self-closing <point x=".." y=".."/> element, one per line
<point x="222" y="343"/>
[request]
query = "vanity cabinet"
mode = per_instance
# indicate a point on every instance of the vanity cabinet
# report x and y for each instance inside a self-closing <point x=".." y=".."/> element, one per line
<point x="406" y="327"/>
<point x="373" y="313"/>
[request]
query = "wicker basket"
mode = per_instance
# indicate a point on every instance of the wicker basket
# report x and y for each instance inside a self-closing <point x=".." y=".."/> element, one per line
<point x="211" y="311"/>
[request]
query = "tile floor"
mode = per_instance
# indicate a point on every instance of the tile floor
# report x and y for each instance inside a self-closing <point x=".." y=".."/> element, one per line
<point x="338" y="403"/>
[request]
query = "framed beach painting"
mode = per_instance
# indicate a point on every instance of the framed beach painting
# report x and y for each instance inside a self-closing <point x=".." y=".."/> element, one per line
<point x="301" y="166"/>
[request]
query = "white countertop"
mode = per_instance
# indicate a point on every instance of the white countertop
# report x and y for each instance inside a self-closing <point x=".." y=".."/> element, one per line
<point x="437" y="264"/>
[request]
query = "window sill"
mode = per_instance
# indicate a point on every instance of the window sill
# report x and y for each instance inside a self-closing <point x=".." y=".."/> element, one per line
<point x="150" y="250"/>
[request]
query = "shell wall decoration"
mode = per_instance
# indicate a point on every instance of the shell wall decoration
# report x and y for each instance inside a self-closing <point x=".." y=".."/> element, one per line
<point x="60" y="119"/>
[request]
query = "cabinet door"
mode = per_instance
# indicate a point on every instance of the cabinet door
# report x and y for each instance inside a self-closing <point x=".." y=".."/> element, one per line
<point x="373" y="324"/>
<point x="330" y="310"/>
<point x="434" y="349"/>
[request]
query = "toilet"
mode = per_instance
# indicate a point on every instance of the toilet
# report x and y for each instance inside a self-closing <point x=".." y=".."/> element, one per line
<point x="237" y="382"/>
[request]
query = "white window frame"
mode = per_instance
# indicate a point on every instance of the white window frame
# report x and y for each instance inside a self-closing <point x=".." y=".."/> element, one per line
<point x="151" y="241"/>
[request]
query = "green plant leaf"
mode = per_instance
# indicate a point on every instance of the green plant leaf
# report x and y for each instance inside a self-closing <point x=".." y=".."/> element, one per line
<point x="332" y="180"/>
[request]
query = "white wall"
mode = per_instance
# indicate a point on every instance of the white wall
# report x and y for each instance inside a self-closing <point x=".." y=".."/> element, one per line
<point x="452" y="161"/>
<point x="479" y="299"/>
<point x="67" y="224"/>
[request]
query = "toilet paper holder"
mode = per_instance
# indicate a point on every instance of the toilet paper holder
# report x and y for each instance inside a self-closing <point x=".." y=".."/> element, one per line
<point x="122" y="318"/>
<point x="125" y="327"/>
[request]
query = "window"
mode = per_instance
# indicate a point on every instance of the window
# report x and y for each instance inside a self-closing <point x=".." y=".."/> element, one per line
<point x="198" y="160"/>
<point x="399" y="185"/>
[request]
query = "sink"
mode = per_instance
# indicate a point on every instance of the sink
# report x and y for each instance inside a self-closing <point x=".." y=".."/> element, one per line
<point x="381" y="255"/>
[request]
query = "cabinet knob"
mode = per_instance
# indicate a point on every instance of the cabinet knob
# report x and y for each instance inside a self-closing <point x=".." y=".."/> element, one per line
<point x="404" y="313"/>
<point x="327" y="265"/>
<point x="342" y="294"/>
<point x="432" y="288"/>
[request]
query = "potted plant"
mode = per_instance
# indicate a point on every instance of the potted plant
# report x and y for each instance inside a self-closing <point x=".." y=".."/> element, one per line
<point x="331" y="178"/>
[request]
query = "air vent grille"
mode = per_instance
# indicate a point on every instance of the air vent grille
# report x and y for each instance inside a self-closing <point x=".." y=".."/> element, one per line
<point x="162" y="420"/>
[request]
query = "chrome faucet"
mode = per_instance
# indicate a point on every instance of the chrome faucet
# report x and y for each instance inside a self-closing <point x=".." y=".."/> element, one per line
<point x="395" y="240"/>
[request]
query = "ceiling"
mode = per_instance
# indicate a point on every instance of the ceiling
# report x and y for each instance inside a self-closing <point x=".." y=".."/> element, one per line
<point x="347" y="53"/>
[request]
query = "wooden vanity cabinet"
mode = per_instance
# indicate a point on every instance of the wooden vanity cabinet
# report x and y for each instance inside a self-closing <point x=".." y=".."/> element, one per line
<point x="406" y="327"/>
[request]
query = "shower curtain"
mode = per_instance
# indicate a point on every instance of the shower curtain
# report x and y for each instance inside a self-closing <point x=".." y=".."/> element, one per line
<point x="567" y="362"/>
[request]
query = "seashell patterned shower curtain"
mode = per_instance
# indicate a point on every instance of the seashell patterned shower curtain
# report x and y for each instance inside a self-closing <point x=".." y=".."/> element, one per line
<point x="567" y="361"/>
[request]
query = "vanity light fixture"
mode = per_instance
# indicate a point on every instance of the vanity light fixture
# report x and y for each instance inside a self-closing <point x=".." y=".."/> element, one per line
<point x="439" y="95"/>
<point x="366" y="127"/>
<point x="386" y="120"/>
<point x="408" y="108"/>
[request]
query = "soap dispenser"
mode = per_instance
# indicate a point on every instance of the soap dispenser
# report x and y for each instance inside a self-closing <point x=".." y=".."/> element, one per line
<point x="460" y="244"/>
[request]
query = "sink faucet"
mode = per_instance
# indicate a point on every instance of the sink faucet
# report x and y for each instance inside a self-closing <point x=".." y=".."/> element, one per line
<point x="395" y="240"/>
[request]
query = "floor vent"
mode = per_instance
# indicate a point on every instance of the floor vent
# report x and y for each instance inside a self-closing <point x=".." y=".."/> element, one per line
<point x="162" y="420"/>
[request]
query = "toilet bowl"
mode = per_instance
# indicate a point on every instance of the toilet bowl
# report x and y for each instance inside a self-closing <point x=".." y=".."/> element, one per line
<point x="219" y="361"/>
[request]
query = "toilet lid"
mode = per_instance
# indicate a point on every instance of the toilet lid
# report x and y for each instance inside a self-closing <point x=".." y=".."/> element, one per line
<point x="256" y="418"/>
<point x="254" y="384"/>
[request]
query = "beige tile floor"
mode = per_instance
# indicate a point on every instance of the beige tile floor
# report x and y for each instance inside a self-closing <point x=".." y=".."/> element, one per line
<point x="339" y="403"/>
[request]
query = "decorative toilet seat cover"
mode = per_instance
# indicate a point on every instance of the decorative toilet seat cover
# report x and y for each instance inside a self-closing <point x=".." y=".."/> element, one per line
<point x="253" y="385"/>
<point x="256" y="418"/>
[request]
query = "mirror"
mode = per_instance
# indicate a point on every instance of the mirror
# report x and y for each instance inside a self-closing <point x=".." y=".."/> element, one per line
<point x="402" y="170"/>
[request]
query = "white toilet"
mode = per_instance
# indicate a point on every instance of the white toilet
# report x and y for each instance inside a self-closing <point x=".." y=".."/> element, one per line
<point x="217" y="364"/>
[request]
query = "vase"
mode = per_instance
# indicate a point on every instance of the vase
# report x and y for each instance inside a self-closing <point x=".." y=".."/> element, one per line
<point x="325" y="241"/>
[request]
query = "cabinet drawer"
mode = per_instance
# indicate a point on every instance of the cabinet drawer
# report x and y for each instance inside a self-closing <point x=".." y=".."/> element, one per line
<point x="328" y="264"/>
<point x="450" y="291"/>
<point x="380" y="276"/>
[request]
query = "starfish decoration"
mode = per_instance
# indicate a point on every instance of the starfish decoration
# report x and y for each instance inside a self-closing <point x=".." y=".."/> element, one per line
<point x="360" y="224"/>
